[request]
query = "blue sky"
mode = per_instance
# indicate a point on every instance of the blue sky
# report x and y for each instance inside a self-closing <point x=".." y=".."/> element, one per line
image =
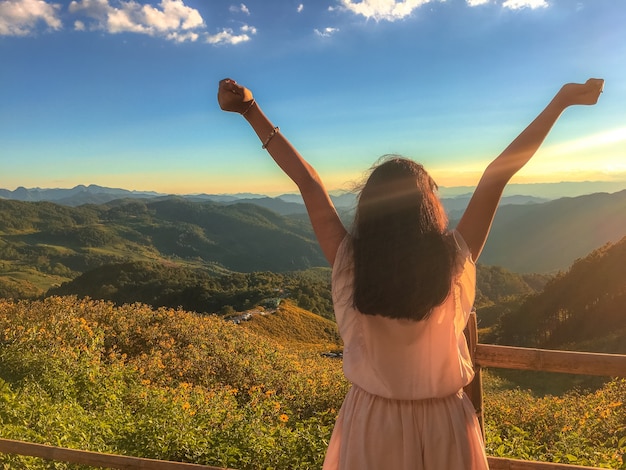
<point x="122" y="93"/>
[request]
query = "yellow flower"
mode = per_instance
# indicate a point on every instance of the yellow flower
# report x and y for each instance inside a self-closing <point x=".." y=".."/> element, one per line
<point x="284" y="418"/>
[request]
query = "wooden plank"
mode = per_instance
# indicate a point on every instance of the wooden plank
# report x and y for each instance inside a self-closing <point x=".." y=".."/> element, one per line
<point x="571" y="362"/>
<point x="497" y="463"/>
<point x="94" y="459"/>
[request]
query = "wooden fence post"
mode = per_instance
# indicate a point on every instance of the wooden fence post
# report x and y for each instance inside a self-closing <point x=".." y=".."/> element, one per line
<point x="474" y="389"/>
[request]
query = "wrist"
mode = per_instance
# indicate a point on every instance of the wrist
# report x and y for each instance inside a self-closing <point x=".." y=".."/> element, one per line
<point x="560" y="102"/>
<point x="250" y="105"/>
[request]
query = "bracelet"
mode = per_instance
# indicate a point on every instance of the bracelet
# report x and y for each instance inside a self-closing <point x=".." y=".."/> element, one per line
<point x="270" y="137"/>
<point x="252" y="103"/>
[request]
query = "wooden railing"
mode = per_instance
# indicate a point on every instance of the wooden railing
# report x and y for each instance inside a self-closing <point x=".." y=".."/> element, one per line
<point x="507" y="357"/>
<point x="94" y="459"/>
<point x="484" y="355"/>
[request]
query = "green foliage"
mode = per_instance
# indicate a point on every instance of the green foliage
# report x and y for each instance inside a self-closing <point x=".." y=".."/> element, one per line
<point x="586" y="302"/>
<point x="584" y="429"/>
<point x="495" y="284"/>
<point x="161" y="384"/>
<point x="168" y="384"/>
<point x="498" y="291"/>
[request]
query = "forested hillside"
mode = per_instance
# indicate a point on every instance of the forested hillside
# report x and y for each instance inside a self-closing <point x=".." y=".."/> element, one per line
<point x="171" y="285"/>
<point x="585" y="303"/>
<point x="42" y="244"/>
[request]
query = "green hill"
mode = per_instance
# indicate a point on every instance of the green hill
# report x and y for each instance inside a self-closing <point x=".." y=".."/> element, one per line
<point x="48" y="244"/>
<point x="583" y="304"/>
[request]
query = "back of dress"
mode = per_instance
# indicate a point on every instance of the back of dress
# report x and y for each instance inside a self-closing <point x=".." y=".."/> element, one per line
<point x="405" y="359"/>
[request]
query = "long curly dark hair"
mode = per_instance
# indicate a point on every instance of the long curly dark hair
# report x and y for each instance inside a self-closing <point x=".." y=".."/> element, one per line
<point x="403" y="256"/>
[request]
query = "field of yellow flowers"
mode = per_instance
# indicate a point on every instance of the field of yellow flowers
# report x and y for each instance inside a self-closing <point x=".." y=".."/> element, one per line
<point x="169" y="384"/>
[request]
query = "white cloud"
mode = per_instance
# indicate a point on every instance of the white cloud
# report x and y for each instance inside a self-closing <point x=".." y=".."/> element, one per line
<point x="246" y="28"/>
<point x="241" y="8"/>
<point x="390" y="10"/>
<point x="172" y="19"/>
<point x="20" y="17"/>
<point x="79" y="26"/>
<point x="474" y="3"/>
<point x="228" y="36"/>
<point x="326" y="32"/>
<point x="300" y="8"/>
<point x="518" y="4"/>
<point x="183" y="37"/>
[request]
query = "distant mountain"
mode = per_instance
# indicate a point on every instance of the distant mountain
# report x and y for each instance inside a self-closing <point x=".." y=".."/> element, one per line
<point x="455" y="206"/>
<point x="277" y="205"/>
<point x="76" y="196"/>
<point x="454" y="198"/>
<point x="285" y="204"/>
<point x="239" y="237"/>
<point x="545" y="190"/>
<point x="223" y="197"/>
<point x="542" y="238"/>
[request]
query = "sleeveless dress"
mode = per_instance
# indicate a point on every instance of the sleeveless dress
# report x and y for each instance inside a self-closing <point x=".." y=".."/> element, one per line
<point x="406" y="408"/>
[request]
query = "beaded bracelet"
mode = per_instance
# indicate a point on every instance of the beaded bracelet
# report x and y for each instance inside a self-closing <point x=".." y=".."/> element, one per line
<point x="270" y="137"/>
<point x="252" y="103"/>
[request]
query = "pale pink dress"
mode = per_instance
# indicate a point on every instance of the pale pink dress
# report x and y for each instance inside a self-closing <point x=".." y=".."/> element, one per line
<point x="406" y="408"/>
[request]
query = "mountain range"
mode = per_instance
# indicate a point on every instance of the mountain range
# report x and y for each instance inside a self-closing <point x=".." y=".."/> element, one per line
<point x="285" y="204"/>
<point x="240" y="234"/>
<point x="454" y="198"/>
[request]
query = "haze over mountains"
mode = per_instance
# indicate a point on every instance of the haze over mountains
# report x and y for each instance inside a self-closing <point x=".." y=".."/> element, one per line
<point x="454" y="198"/>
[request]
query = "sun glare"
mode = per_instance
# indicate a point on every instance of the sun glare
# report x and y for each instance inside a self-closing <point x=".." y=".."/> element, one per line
<point x="589" y="142"/>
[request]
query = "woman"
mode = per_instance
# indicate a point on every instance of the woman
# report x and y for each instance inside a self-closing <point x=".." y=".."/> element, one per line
<point x="403" y="286"/>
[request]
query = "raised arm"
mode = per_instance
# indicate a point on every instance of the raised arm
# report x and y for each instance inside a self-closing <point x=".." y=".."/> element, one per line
<point x="476" y="222"/>
<point x="327" y="226"/>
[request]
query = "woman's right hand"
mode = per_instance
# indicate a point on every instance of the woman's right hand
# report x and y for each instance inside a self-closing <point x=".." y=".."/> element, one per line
<point x="581" y="93"/>
<point x="233" y="97"/>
